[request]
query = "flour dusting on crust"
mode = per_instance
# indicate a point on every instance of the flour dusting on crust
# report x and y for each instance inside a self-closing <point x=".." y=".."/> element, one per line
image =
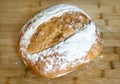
<point x="74" y="48"/>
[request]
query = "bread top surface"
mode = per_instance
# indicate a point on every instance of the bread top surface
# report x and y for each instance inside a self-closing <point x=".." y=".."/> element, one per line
<point x="56" y="30"/>
<point x="66" y="46"/>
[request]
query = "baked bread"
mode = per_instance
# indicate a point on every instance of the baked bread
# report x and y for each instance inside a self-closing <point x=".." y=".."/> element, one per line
<point x="59" y="40"/>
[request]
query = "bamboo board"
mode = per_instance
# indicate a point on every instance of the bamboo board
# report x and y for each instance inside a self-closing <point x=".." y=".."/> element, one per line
<point x="104" y="70"/>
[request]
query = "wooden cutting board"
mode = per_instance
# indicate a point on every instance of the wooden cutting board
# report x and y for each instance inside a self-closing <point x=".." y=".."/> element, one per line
<point x="104" y="70"/>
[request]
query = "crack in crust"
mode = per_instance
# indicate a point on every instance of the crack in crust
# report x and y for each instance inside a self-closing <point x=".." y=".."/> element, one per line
<point x="56" y="30"/>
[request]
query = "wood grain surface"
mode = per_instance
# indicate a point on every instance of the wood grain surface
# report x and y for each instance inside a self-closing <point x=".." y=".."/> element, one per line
<point x="103" y="70"/>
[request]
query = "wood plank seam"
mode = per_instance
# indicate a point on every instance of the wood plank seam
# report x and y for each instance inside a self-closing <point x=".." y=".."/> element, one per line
<point x="7" y="80"/>
<point x="114" y="9"/>
<point x="111" y="65"/>
<point x="100" y="15"/>
<point x="75" y="80"/>
<point x="102" y="73"/>
<point x="106" y="22"/>
<point x="115" y="50"/>
<point x="98" y="4"/>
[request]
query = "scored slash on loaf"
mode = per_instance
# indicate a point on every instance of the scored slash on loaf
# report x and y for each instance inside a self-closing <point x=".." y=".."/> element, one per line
<point x="59" y="40"/>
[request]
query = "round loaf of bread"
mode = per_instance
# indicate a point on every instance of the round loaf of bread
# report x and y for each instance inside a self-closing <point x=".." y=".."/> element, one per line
<point x="59" y="40"/>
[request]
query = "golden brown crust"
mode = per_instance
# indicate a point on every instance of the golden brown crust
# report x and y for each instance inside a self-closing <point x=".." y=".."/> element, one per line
<point x="56" y="30"/>
<point x="38" y="42"/>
